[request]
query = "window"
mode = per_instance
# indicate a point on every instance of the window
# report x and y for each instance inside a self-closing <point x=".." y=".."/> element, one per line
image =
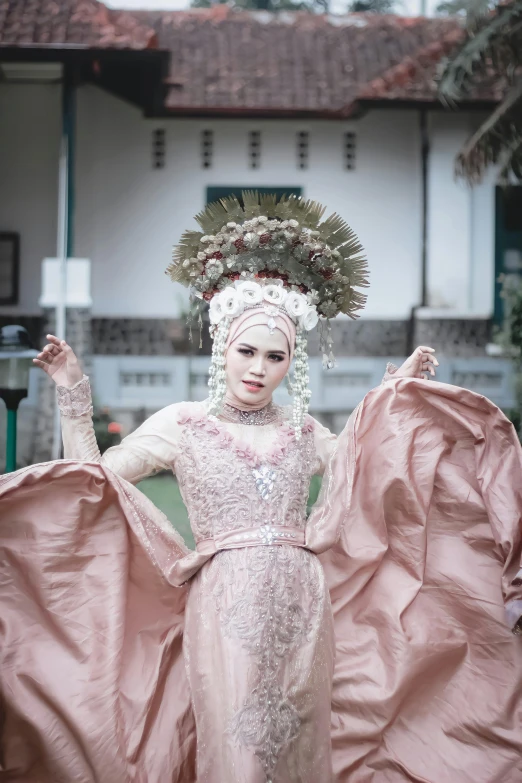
<point x="145" y="379"/>
<point x="9" y="267"/>
<point x="340" y="380"/>
<point x="473" y="380"/>
<point x="199" y="379"/>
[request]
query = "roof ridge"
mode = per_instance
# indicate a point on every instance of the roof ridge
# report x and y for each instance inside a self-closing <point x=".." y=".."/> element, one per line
<point x="402" y="73"/>
<point x="46" y="22"/>
<point x="222" y="11"/>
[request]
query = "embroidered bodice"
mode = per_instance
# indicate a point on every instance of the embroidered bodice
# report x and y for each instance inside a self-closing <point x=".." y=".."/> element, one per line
<point x="229" y="480"/>
<point x="231" y="474"/>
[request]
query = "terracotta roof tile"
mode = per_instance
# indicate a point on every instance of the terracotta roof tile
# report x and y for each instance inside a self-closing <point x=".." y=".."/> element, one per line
<point x="63" y="22"/>
<point x="415" y="78"/>
<point x="225" y="61"/>
<point x="240" y="61"/>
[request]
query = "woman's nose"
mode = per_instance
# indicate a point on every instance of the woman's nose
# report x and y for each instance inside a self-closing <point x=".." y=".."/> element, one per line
<point x="258" y="366"/>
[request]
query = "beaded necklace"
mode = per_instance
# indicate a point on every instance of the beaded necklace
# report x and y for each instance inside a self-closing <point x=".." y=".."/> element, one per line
<point x="266" y="415"/>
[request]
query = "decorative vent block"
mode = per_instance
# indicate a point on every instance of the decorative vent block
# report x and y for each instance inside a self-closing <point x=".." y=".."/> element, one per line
<point x="207" y="148"/>
<point x="158" y="148"/>
<point x="349" y="150"/>
<point x="302" y="149"/>
<point x="254" y="149"/>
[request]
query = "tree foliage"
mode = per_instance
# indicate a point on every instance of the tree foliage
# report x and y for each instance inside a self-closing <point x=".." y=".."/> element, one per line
<point x="490" y="58"/>
<point x="314" y="6"/>
<point x="372" y="6"/>
<point x="509" y="338"/>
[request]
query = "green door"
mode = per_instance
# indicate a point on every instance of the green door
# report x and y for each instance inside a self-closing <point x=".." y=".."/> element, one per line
<point x="508" y="240"/>
<point x="215" y="193"/>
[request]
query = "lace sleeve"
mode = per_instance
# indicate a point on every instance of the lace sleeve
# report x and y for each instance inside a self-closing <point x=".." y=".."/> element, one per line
<point x="75" y="404"/>
<point x="390" y="370"/>
<point x="149" y="449"/>
<point x="76" y="400"/>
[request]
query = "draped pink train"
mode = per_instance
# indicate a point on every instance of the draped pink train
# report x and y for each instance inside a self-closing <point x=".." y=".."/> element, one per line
<point x="420" y="537"/>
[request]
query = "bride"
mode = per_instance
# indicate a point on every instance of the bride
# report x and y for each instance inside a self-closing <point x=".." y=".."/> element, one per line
<point x="355" y="645"/>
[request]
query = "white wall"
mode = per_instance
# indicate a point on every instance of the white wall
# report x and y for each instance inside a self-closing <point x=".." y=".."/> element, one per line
<point x="129" y="215"/>
<point x="29" y="149"/>
<point x="461" y="223"/>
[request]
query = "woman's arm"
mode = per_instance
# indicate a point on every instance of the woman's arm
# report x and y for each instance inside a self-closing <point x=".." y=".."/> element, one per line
<point x="147" y="450"/>
<point x="421" y="364"/>
<point x="152" y="447"/>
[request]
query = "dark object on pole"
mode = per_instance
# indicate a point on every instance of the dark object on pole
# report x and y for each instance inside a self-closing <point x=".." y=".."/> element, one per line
<point x="16" y="359"/>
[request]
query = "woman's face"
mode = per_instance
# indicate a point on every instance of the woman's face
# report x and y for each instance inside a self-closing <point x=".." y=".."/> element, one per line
<point x="256" y="363"/>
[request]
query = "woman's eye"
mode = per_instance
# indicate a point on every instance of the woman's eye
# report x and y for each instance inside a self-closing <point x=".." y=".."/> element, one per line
<point x="245" y="351"/>
<point x="276" y="357"/>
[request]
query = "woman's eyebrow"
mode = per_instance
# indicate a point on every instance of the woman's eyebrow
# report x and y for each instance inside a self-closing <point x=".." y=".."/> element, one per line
<point x="251" y="347"/>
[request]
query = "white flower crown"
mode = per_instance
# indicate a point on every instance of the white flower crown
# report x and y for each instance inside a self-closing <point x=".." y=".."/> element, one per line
<point x="234" y="299"/>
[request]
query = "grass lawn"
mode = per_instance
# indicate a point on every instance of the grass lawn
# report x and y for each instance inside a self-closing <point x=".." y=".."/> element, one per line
<point x="164" y="492"/>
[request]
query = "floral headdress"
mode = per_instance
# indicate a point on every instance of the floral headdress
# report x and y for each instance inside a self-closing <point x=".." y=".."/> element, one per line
<point x="276" y="254"/>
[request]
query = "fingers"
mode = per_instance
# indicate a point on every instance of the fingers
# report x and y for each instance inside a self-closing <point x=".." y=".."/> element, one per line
<point x="48" y="353"/>
<point x="55" y="340"/>
<point x="43" y="365"/>
<point x="60" y="345"/>
<point x="428" y="362"/>
<point x="53" y="348"/>
<point x="426" y="351"/>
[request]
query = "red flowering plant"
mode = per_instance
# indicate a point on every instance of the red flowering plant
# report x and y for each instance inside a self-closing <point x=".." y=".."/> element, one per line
<point x="107" y="431"/>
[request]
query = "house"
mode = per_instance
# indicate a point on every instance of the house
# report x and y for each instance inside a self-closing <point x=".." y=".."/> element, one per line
<point x="117" y="127"/>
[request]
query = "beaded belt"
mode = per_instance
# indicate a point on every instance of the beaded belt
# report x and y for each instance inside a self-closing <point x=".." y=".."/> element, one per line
<point x="252" y="536"/>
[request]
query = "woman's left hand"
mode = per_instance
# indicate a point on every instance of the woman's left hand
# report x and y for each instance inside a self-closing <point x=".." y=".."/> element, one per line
<point x="421" y="364"/>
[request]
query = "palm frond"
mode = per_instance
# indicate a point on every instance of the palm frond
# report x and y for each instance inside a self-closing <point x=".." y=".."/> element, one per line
<point x="497" y="141"/>
<point x="233" y="209"/>
<point x="251" y="206"/>
<point x="285" y="207"/>
<point x="267" y="202"/>
<point x="495" y="45"/>
<point x="212" y="217"/>
<point x="188" y="246"/>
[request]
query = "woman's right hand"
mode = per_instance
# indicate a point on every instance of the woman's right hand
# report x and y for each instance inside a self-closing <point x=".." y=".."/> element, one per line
<point x="59" y="361"/>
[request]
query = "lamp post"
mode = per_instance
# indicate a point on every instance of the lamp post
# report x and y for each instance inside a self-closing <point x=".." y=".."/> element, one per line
<point x="16" y="359"/>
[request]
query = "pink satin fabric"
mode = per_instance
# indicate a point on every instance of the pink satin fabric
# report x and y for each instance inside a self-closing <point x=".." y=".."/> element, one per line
<point x="423" y="582"/>
<point x="93" y="683"/>
<point x="419" y="527"/>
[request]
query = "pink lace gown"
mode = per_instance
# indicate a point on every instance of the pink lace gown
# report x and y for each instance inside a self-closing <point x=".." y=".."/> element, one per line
<point x="258" y="639"/>
<point x="127" y="658"/>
